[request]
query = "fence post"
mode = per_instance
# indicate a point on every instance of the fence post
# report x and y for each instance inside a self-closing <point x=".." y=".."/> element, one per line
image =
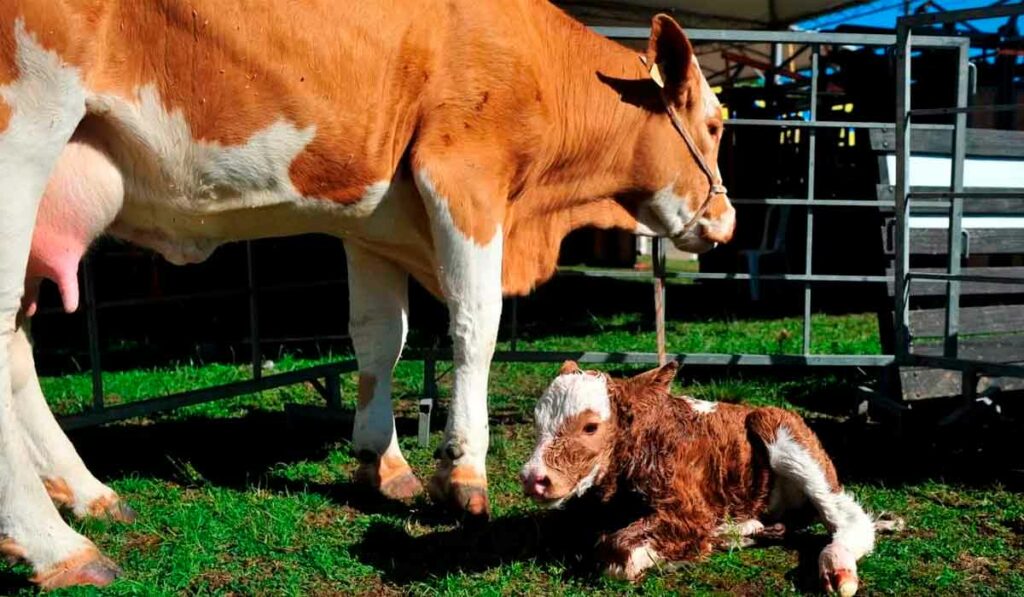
<point x="956" y="209"/>
<point x="427" y="402"/>
<point x="901" y="256"/>
<point x="812" y="147"/>
<point x="254" y="313"/>
<point x="93" y="330"/>
<point x="658" y="261"/>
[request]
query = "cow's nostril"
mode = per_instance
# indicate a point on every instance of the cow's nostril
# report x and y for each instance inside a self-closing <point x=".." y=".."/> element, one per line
<point x="543" y="482"/>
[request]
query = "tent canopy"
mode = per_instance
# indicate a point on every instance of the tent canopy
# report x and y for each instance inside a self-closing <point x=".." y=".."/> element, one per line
<point x="730" y="14"/>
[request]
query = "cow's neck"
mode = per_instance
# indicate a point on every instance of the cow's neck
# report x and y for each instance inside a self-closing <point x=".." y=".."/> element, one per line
<point x="586" y="163"/>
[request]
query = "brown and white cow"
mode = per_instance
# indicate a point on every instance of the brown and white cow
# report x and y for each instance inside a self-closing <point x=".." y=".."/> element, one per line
<point x="455" y="141"/>
<point x="708" y="474"/>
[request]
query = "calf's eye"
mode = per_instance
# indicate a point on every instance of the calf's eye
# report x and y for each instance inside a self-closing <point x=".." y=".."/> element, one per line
<point x="590" y="428"/>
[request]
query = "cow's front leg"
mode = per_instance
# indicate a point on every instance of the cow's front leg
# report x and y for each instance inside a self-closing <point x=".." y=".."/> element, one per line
<point x="468" y="241"/>
<point x="67" y="480"/>
<point x="378" y="320"/>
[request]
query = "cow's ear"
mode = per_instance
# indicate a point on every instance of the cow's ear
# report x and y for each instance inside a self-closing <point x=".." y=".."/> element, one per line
<point x="669" y="55"/>
<point x="662" y="377"/>
<point x="569" y="367"/>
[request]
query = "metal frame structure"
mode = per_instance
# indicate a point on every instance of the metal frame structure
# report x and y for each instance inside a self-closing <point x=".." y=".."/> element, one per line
<point x="906" y="41"/>
<point x="330" y="386"/>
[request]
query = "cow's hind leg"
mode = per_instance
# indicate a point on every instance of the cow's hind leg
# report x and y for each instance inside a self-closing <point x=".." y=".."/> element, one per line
<point x="39" y="109"/>
<point x="466" y="229"/>
<point x="796" y="456"/>
<point x="65" y="476"/>
<point x="378" y="320"/>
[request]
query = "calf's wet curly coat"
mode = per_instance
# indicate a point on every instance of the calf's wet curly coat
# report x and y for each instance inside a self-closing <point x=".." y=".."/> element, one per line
<point x="709" y="474"/>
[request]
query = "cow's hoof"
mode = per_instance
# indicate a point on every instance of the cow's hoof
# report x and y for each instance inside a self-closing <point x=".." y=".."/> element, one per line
<point x="88" y="568"/>
<point x="462" y="490"/>
<point x="842" y="582"/>
<point x="113" y="508"/>
<point x="390" y="477"/>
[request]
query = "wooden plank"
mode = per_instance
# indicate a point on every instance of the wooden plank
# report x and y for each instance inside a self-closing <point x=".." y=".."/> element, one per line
<point x="937" y="288"/>
<point x="921" y="383"/>
<point x="1006" y="348"/>
<point x="989" y="143"/>
<point x="972" y="206"/>
<point x="983" y="241"/>
<point x="973" y="320"/>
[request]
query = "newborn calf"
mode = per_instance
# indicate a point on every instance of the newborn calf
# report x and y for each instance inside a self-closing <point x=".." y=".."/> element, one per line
<point x="707" y="473"/>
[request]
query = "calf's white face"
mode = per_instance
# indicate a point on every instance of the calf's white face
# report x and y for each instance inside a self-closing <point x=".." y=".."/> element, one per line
<point x="575" y="428"/>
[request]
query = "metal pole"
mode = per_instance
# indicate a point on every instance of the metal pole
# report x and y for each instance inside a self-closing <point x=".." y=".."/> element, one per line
<point x="812" y="144"/>
<point x="427" y="402"/>
<point x="901" y="257"/>
<point x="658" y="259"/>
<point x="93" y="329"/>
<point x="254" y="313"/>
<point x="956" y="207"/>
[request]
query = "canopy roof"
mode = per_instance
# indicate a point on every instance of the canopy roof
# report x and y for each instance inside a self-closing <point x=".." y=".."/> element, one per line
<point x="745" y="14"/>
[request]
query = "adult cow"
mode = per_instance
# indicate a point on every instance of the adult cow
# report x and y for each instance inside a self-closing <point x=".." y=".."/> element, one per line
<point x="436" y="138"/>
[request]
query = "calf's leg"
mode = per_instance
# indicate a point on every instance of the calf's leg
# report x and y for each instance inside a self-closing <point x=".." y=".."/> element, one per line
<point x="65" y="476"/>
<point x="673" y="534"/>
<point x="796" y="456"/>
<point x="378" y="321"/>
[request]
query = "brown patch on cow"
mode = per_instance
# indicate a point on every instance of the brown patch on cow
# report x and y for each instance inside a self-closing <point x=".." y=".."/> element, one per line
<point x="5" y="115"/>
<point x="765" y="423"/>
<point x="367" y="384"/>
<point x="102" y="506"/>
<point x="87" y="567"/>
<point x="11" y="551"/>
<point x="59" y="491"/>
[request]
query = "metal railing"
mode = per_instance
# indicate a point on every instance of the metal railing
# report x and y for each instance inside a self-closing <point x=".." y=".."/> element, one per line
<point x="330" y="386"/>
<point x="904" y="275"/>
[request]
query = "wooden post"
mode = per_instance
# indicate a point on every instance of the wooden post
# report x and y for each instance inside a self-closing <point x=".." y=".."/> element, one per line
<point x="658" y="259"/>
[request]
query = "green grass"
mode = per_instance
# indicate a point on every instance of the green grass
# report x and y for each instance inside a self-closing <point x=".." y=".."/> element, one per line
<point x="266" y="508"/>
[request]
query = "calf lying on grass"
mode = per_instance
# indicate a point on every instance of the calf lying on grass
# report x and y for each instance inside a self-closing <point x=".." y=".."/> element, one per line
<point x="708" y="474"/>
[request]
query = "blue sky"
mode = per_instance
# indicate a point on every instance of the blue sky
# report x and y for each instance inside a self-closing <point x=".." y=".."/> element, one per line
<point x="883" y="13"/>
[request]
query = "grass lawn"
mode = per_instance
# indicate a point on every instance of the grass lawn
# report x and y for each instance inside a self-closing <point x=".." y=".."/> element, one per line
<point x="239" y="498"/>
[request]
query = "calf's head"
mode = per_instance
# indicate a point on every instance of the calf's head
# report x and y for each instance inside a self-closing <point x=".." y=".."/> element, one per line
<point x="677" y="162"/>
<point x="575" y="434"/>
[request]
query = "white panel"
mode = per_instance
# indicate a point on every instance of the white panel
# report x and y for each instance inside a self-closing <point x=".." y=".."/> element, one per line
<point x="927" y="171"/>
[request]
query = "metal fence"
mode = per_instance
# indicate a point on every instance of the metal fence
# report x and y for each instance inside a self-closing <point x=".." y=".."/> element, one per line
<point x="326" y="378"/>
<point x="953" y="199"/>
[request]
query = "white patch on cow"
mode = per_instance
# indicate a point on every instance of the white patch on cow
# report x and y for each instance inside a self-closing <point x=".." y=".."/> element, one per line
<point x="186" y="196"/>
<point x="666" y="214"/>
<point x="470" y="279"/>
<point x="703" y="407"/>
<point x="378" y="323"/>
<point x="640" y="559"/>
<point x="47" y="102"/>
<point x="567" y="396"/>
<point x="850" y="525"/>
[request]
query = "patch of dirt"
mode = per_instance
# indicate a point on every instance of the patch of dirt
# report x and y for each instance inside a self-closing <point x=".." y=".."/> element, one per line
<point x="143" y="542"/>
<point x="980" y="569"/>
<point x="211" y="581"/>
<point x="325" y="517"/>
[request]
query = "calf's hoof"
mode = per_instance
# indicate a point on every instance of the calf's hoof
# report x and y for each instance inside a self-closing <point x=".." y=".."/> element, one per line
<point x="841" y="582"/>
<point x="838" y="570"/>
<point x="461" y="489"/>
<point x="87" y="568"/>
<point x="390" y="477"/>
<point x="630" y="566"/>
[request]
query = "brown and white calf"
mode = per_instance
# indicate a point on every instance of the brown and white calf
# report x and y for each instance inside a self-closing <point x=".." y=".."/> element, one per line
<point x="707" y="473"/>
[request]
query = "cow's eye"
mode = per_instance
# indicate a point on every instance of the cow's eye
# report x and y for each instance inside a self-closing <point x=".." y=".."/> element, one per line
<point x="714" y="129"/>
<point x="590" y="428"/>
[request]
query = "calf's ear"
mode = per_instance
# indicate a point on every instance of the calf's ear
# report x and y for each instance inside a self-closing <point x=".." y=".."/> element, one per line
<point x="661" y="377"/>
<point x="569" y="367"/>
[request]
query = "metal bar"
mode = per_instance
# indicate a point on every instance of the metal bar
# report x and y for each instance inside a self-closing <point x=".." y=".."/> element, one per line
<point x="973" y="195"/>
<point x="254" y="313"/>
<point x="789" y="37"/>
<point x="829" y="124"/>
<point x="812" y="146"/>
<point x="631" y="275"/>
<point x="964" y="278"/>
<point x="814" y="202"/>
<point x="701" y="359"/>
<point x="956" y="16"/>
<point x="901" y="289"/>
<point x="981" y="367"/>
<point x="249" y="386"/>
<point x="956" y="210"/>
<point x="658" y="260"/>
<point x="965" y="109"/>
<point x="333" y="392"/>
<point x="92" y="326"/>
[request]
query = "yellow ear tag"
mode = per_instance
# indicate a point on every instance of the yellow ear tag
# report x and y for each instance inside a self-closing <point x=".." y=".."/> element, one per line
<point x="656" y="76"/>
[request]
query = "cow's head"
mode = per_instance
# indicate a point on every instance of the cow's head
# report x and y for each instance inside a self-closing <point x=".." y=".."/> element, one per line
<point x="679" y="202"/>
<point x="575" y="434"/>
